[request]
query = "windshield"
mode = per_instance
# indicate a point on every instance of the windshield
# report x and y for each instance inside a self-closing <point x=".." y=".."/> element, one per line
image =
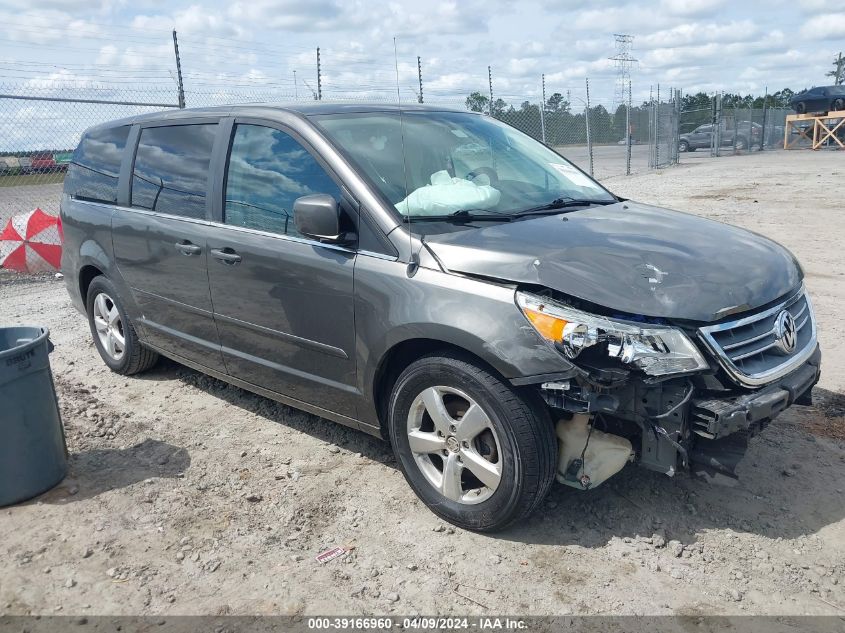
<point x="456" y="162"/>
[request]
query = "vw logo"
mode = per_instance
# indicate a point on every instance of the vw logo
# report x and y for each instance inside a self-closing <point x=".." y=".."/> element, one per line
<point x="786" y="334"/>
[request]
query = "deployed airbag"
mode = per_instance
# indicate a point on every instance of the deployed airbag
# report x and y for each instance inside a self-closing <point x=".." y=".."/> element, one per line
<point x="446" y="195"/>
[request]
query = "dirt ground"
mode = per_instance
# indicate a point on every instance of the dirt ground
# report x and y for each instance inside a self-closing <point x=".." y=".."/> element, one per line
<point x="187" y="496"/>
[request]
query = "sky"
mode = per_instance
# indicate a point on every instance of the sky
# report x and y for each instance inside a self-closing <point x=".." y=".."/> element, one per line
<point x="259" y="46"/>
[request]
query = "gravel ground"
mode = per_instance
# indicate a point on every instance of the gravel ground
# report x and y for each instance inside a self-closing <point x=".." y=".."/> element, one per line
<point x="16" y="200"/>
<point x="188" y="496"/>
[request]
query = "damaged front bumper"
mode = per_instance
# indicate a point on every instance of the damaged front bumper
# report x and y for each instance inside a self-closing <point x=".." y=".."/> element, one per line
<point x="698" y="423"/>
<point x="723" y="426"/>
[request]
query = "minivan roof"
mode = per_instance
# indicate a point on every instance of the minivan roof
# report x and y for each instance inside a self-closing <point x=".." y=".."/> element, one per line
<point x="303" y="109"/>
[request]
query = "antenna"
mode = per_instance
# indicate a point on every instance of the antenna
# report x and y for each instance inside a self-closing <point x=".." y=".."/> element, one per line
<point x="396" y="65"/>
<point x="413" y="257"/>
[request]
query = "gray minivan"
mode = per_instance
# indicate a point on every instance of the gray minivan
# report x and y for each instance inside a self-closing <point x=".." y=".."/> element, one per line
<point x="439" y="279"/>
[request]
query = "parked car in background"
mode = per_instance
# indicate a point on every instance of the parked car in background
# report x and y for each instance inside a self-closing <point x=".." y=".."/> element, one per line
<point x="62" y="160"/>
<point x="43" y="162"/>
<point x="4" y="167"/>
<point x="503" y="319"/>
<point x="13" y="163"/>
<point x="820" y="99"/>
<point x="25" y="164"/>
<point x="742" y="135"/>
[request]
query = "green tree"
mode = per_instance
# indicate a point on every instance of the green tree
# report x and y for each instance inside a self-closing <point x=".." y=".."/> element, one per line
<point x="698" y="101"/>
<point x="601" y="130"/>
<point x="477" y="102"/>
<point x="556" y="103"/>
<point x="838" y="72"/>
<point x="619" y="119"/>
<point x="499" y="108"/>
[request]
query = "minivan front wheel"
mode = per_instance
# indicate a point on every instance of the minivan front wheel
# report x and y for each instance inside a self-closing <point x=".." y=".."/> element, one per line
<point x="114" y="335"/>
<point x="476" y="452"/>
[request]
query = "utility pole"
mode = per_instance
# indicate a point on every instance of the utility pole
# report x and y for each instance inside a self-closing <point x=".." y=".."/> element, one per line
<point x="295" y="89"/>
<point x="419" y="76"/>
<point x="623" y="61"/>
<point x="180" y="85"/>
<point x="319" y="78"/>
<point x="490" y="82"/>
<point x="838" y="74"/>
<point x="543" y="108"/>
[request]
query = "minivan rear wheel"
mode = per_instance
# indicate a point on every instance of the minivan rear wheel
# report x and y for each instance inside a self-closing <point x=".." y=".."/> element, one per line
<point x="475" y="451"/>
<point x="114" y="335"/>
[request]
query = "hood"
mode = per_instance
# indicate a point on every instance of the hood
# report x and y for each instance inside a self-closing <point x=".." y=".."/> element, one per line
<point x="630" y="257"/>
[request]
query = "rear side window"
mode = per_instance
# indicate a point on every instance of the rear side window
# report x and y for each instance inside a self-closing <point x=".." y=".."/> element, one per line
<point x="95" y="167"/>
<point x="171" y="169"/>
<point x="268" y="170"/>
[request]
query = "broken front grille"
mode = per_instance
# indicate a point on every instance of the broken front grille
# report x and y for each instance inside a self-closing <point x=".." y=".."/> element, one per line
<point x="751" y="349"/>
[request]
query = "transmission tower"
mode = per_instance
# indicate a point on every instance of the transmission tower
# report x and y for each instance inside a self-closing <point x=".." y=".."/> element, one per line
<point x="623" y="61"/>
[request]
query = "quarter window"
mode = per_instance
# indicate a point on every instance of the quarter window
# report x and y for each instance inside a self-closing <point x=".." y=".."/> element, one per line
<point x="95" y="167"/>
<point x="268" y="170"/>
<point x="171" y="169"/>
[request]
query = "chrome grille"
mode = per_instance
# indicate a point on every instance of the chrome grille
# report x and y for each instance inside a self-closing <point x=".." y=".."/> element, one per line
<point x="748" y="349"/>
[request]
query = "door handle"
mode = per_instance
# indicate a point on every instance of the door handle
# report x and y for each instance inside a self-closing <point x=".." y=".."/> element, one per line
<point x="226" y="255"/>
<point x="187" y="248"/>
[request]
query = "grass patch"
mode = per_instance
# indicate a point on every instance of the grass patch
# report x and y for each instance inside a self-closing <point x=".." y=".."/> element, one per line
<point x="28" y="180"/>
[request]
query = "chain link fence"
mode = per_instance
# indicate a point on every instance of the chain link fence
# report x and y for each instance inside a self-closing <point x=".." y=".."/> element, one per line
<point x="594" y="136"/>
<point x="726" y="131"/>
<point x="41" y="126"/>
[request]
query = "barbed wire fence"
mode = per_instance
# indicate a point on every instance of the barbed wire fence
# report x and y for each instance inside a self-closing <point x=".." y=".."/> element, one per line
<point x="45" y="107"/>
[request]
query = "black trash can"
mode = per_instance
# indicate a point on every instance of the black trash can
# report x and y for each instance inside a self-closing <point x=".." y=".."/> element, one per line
<point x="33" y="453"/>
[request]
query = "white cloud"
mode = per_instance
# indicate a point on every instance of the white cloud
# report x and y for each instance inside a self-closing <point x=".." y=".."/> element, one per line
<point x="193" y="20"/>
<point x="688" y="43"/>
<point x="295" y="15"/>
<point x="828" y="26"/>
<point x="692" y="7"/>
<point x="697" y="33"/>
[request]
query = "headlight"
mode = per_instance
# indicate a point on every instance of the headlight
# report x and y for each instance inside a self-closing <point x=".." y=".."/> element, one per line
<point x="658" y="350"/>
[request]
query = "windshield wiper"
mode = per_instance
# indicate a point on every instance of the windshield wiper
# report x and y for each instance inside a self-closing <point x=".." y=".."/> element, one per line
<point x="463" y="215"/>
<point x="562" y="203"/>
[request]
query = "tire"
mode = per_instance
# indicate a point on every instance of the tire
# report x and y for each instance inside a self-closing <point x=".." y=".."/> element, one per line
<point x="801" y="107"/>
<point x="740" y="143"/>
<point x="683" y="146"/>
<point x="114" y="335"/>
<point x="838" y="104"/>
<point x="510" y="435"/>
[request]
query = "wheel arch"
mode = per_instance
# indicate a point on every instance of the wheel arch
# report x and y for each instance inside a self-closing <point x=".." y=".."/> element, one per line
<point x="87" y="274"/>
<point x="404" y="352"/>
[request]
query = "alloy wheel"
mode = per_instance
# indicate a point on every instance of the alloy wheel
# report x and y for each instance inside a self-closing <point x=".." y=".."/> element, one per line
<point x="454" y="444"/>
<point x="109" y="326"/>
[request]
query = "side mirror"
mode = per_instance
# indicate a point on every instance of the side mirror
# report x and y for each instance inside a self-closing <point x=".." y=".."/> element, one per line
<point x="318" y="216"/>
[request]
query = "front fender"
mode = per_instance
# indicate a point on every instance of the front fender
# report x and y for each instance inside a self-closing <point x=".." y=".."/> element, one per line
<point x="478" y="316"/>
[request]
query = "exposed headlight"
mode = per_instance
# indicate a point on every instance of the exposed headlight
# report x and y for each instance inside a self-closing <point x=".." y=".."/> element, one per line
<point x="658" y="350"/>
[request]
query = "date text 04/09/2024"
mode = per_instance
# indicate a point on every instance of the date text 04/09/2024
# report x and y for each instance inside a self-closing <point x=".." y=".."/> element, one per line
<point x="416" y="623"/>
